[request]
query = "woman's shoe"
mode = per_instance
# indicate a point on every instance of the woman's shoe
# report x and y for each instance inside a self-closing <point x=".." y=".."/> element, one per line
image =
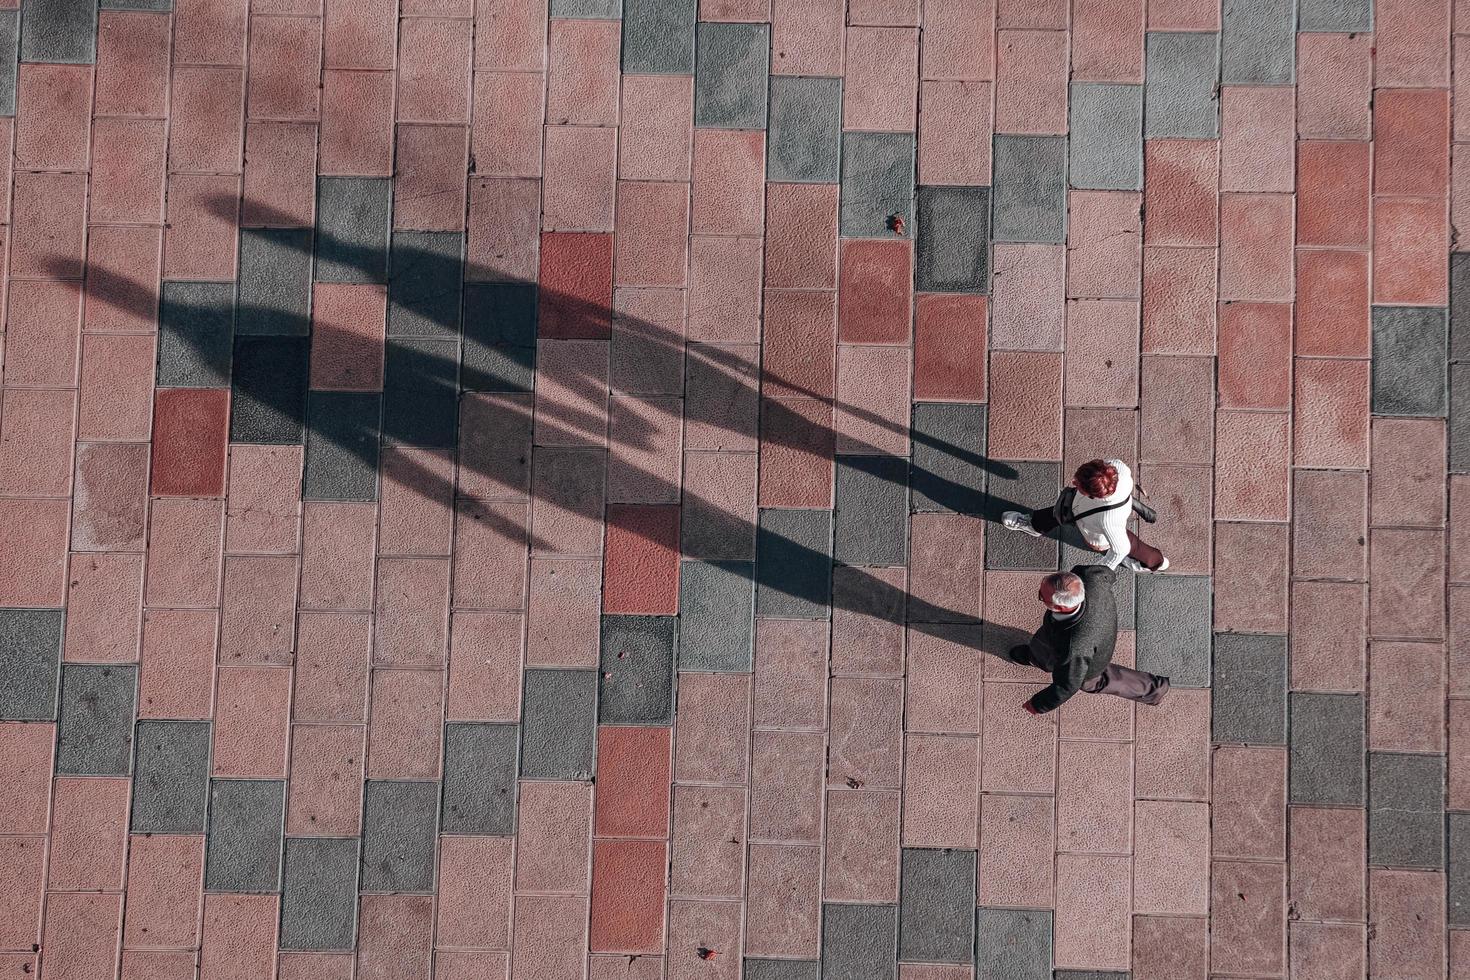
<point x="1014" y="520"/>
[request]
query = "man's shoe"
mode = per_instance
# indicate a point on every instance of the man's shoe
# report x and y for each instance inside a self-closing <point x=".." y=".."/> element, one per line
<point x="1014" y="520"/>
<point x="1159" y="692"/>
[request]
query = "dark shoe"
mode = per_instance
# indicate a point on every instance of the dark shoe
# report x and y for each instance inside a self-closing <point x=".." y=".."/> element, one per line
<point x="1020" y="654"/>
<point x="1159" y="691"/>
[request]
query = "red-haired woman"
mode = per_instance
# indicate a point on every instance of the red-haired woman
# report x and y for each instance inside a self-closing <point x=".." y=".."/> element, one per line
<point x="1100" y="510"/>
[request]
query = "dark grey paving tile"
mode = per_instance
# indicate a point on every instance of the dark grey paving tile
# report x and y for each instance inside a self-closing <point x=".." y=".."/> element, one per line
<point x="59" y="31"/>
<point x="1459" y="421"/>
<point x="1029" y="189"/>
<point x="1248" y="699"/>
<point x="352" y="222"/>
<point x="1012" y="944"/>
<point x="319" y="893"/>
<point x="398" y="836"/>
<point x="1459" y="313"/>
<point x="1458" y="869"/>
<point x="877" y="183"/>
<point x="1327" y="748"/>
<point x="275" y="282"/>
<point x="1180" y="96"/>
<point x="196" y="327"/>
<point x="558" y="723"/>
<point x="1034" y="485"/>
<point x="859" y="941"/>
<point x="1406" y="810"/>
<point x="593" y="9"/>
<point x="268" y="389"/>
<point x="499" y="336"/>
<point x="870" y="519"/>
<point x="804" y="141"/>
<point x="658" y="37"/>
<point x="342" y="430"/>
<point x="646" y="357"/>
<point x="1174" y="620"/>
<point x="243" y="852"/>
<point x="30" y="661"/>
<point x="936" y="916"/>
<point x="1334" y="15"/>
<point x="949" y="461"/>
<point x="716" y="603"/>
<point x="1258" y="42"/>
<point x="421" y="392"/>
<point x="9" y="56"/>
<point x="1106" y="138"/>
<point x="782" y="969"/>
<point x="495" y="441"/>
<point x="424" y="278"/>
<point x="479" y="778"/>
<point x="952" y="246"/>
<point x="1409" y="350"/>
<point x="1125" y="582"/>
<point x="170" y="777"/>
<point x="733" y="65"/>
<point x="793" y="563"/>
<point x="94" y="736"/>
<point x="722" y="390"/>
<point x="637" y="670"/>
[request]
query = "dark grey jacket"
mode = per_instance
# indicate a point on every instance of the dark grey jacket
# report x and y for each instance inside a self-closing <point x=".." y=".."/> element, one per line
<point x="1078" y="649"/>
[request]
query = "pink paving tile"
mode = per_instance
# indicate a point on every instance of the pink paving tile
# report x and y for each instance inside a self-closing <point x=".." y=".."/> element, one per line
<point x="651" y="244"/>
<point x="1103" y="244"/>
<point x="1459" y="529"/>
<point x="656" y="133"/>
<point x="104" y="594"/>
<point x="164" y="965"/>
<point x="1255" y="247"/>
<point x="713" y="926"/>
<point x="116" y="397"/>
<point x="865" y="739"/>
<point x="1332" y="201"/>
<point x="332" y="668"/>
<point x="564" y="523"/>
<point x="580" y="178"/>
<point x="1180" y="177"/>
<point x="801" y="236"/>
<point x="309" y="966"/>
<point x="336" y="554"/>
<point x="711" y="728"/>
<point x="1327" y="872"/>
<point x="1334" y="86"/>
<point x="1251" y="577"/>
<point x="1096" y="433"/>
<point x="429" y="189"/>
<point x="404" y="727"/>
<point x="949" y="345"/>
<point x="565" y="603"/>
<point x="280" y="173"/>
<point x="520" y="29"/>
<point x="474" y="892"/>
<point x="360" y="35"/>
<point x="582" y="81"/>
<point x="796" y="467"/>
<point x="728" y="182"/>
<point x="357" y="120"/>
<point x="943" y="690"/>
<point x="1409" y="240"/>
<point x="1329" y="623"/>
<point x="35" y="443"/>
<point x="127" y="177"/>
<point x="800" y="341"/>
<point x="959" y="39"/>
<point x="1459" y="950"/>
<point x="903" y="13"/>
<point x="1410" y="49"/>
<point x="81" y="935"/>
<point x="490" y="553"/>
<point x="1020" y="749"/>
<point x="880" y="84"/>
<point x="1179" y="300"/>
<point x="33" y="533"/>
<point x="1457" y="790"/>
<point x="1017" y="844"/>
<point x="1181" y="494"/>
<point x="53" y="113"/>
<point x="554" y="829"/>
<point x="22" y="874"/>
<point x="791" y="663"/>
<point x="643" y="462"/>
<point x="1170" y="948"/>
<point x="1406" y="707"/>
<point x="252" y="708"/>
<point x="177" y="674"/>
<point x="210" y="32"/>
<point x="1094" y="797"/>
<point x="1248" y="920"/>
<point x="862" y="846"/>
<point x="258" y="613"/>
<point x="1092" y="925"/>
<point x="1258" y="491"/>
<point x="46" y="239"/>
<point x="494" y="435"/>
<point x="416" y="515"/>
<point x="807" y="37"/>
<point x="933" y="971"/>
<point x="1107" y="40"/>
<point x="1010" y="603"/>
<point x="262" y="511"/>
<point x="1028" y="294"/>
<point x="633" y="768"/>
<point x="1025" y="405"/>
<point x="1408" y="472"/>
<point x="132" y="63"/>
<point x="394" y="934"/>
<point x="550" y="936"/>
<point x="1172" y="858"/>
<point x="1102" y="719"/>
<point x="707" y="859"/>
<point x="874" y="301"/>
<point x="724" y="289"/>
<point x="1249" y="790"/>
<point x="434" y="70"/>
<point x="206" y="128"/>
<point x="941" y="783"/>
<point x="325" y="794"/>
<point x="165" y="877"/>
<point x="1258" y="138"/>
<point x="1406" y="569"/>
<point x="43" y="333"/>
<point x="189" y="435"/>
<point x="1405" y="912"/>
<point x="1102" y="337"/>
<point x="1332" y="311"/>
<point x="25" y="764"/>
<point x="1040" y="14"/>
<point x="184" y="552"/>
<point x="1255" y="355"/>
<point x="505" y="138"/>
<point x="784" y="904"/>
<point x="199" y="242"/>
<point x="759" y="11"/>
<point x="348" y="323"/>
<point x="872" y="400"/>
<point x="484" y="667"/>
<point x="867" y="635"/>
<point x="285" y="67"/>
<point x="786" y="787"/>
<point x="123" y="269"/>
<point x="1324" y="951"/>
<point x="641" y="567"/>
<point x="576" y="283"/>
<point x="1331" y="413"/>
<point x="954" y="132"/>
<point x="1031" y="82"/>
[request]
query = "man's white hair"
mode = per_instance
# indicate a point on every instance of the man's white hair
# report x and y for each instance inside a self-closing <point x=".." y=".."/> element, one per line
<point x="1066" y="589"/>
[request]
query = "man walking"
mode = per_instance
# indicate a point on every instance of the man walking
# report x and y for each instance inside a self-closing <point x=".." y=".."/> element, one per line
<point x="1075" y="643"/>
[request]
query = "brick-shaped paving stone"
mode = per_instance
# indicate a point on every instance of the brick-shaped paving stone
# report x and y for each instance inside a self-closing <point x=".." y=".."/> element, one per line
<point x="319" y="893"/>
<point x="94" y="734"/>
<point x="658" y="37"/>
<point x="1248" y="692"/>
<point x="1459" y="421"/>
<point x="30" y="663"/>
<point x="479" y="778"/>
<point x="243" y="852"/>
<point x="9" y="55"/>
<point x="342" y="430"/>
<point x="1174" y="620"/>
<point x="196" y="324"/>
<point x="1457" y="868"/>
<point x="420" y="403"/>
<point x="1106" y="140"/>
<point x="936" y="914"/>
<point x="1326" y="738"/>
<point x="859" y="941"/>
<point x="1012" y="944"/>
<point x="793" y="563"/>
<point x="949" y="461"/>
<point x="1409" y="348"/>
<point x="872" y="504"/>
<point x="636" y="670"/>
<point x="1180" y="89"/>
<point x="558" y="723"/>
<point x="877" y="184"/>
<point x="1033" y="486"/>
<point x="424" y="279"/>
<point x="804" y="138"/>
<point x="352" y="222"/>
<point x="716" y="606"/>
<point x="596" y="9"/>
<point x="268" y="379"/>
<point x="399" y="823"/>
<point x="1334" y="15"/>
<point x="499" y="336"/>
<point x="730" y="82"/>
<point x="1029" y="189"/>
<point x="59" y="31"/>
<point x="952" y="247"/>
<point x="782" y="970"/>
<point x="1406" y="810"/>
<point x="275" y="282"/>
<point x="170" y="777"/>
<point x="1258" y="42"/>
<point x="1459" y="308"/>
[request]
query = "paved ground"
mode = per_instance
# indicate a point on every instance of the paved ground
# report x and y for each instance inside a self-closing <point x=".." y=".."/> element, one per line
<point x="413" y="411"/>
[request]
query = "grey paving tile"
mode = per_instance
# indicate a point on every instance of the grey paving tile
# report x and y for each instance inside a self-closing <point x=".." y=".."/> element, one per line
<point x="594" y="9"/>
<point x="398" y="836"/>
<point x="479" y="778"/>
<point x="793" y="563"/>
<point x="421" y="392"/>
<point x="637" y="670"/>
<point x="30" y="661"/>
<point x="1180" y="98"/>
<point x="319" y="893"/>
<point x="268" y="379"/>
<point x="352" y="222"/>
<point x="733" y="62"/>
<point x="877" y="183"/>
<point x="1406" y="810"/>
<point x="1458" y="869"/>
<point x="859" y="941"/>
<point x="870" y="519"/>
<point x="1459" y="314"/>
<point x="782" y="969"/>
<point x="952" y="245"/>
<point x="9" y="56"/>
<point x="716" y="603"/>
<point x="558" y="723"/>
<point x="1409" y="351"/>
<point x="275" y="282"/>
<point x="1334" y="15"/>
<point x="571" y="479"/>
<point x="196" y="328"/>
<point x="1012" y="944"/>
<point x="1174" y="619"/>
<point x="59" y="31"/>
<point x="499" y="336"/>
<point x="658" y="38"/>
<point x="1125" y="582"/>
<point x="1327" y="748"/>
<point x="936" y="916"/>
<point x="1248" y="699"/>
<point x="949" y="461"/>
<point x="243" y="852"/>
<point x="170" y="777"/>
<point x="94" y="736"/>
<point x="1258" y="42"/>
<point x="1459" y="420"/>
<point x="1034" y="485"/>
<point x="342" y="445"/>
<point x="722" y="389"/>
<point x="426" y="270"/>
<point x="1029" y="189"/>
<point x="1106" y="129"/>
<point x="804" y="141"/>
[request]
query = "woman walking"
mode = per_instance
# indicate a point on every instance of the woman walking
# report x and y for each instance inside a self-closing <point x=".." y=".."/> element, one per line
<point x="1100" y="507"/>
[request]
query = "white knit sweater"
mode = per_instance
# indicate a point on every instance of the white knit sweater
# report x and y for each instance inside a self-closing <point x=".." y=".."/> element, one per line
<point x="1107" y="531"/>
